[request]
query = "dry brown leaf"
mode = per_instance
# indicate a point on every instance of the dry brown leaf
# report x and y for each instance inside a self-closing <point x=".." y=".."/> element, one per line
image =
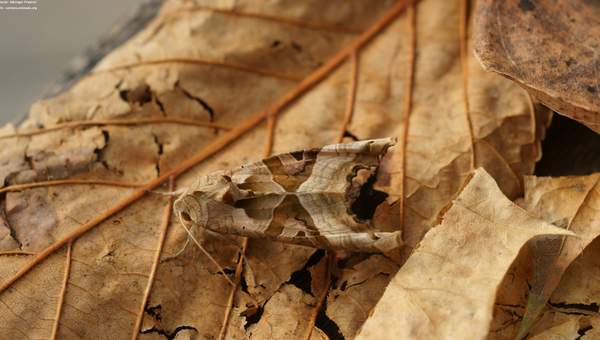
<point x="575" y="300"/>
<point x="282" y="318"/>
<point x="233" y="66"/>
<point x="447" y="288"/>
<point x="566" y="330"/>
<point x="568" y="202"/>
<point x="439" y="152"/>
<point x="549" y="47"/>
<point x="358" y="288"/>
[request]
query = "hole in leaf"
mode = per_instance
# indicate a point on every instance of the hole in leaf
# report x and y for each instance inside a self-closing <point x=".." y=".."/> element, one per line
<point x="328" y="326"/>
<point x="591" y="307"/>
<point x="155" y="312"/>
<point x="168" y="335"/>
<point x="298" y="155"/>
<point x="124" y="94"/>
<point x="302" y="278"/>
<point x="254" y="318"/>
<point x="368" y="199"/>
<point x="350" y="135"/>
<point x="581" y="331"/>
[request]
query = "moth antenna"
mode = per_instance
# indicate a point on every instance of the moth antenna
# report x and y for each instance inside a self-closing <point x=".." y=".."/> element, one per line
<point x="223" y="238"/>
<point x="212" y="259"/>
<point x="187" y="241"/>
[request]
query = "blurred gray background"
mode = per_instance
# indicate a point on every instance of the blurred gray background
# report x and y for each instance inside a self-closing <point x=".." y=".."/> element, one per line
<point x="36" y="47"/>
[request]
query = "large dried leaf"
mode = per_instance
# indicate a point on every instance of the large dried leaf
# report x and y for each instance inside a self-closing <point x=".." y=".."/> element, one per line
<point x="234" y="65"/>
<point x="447" y="288"/>
<point x="550" y="47"/>
<point x="572" y="203"/>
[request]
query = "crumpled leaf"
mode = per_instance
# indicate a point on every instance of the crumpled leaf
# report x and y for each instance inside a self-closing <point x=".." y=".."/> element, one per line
<point x="572" y="203"/>
<point x="231" y="65"/>
<point x="574" y="303"/>
<point x="439" y="155"/>
<point x="549" y="48"/>
<point x="567" y="330"/>
<point x="284" y="323"/>
<point x="447" y="288"/>
<point x="569" y="203"/>
<point x="360" y="287"/>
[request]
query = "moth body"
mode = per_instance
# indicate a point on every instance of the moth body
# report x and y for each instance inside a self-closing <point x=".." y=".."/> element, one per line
<point x="318" y="197"/>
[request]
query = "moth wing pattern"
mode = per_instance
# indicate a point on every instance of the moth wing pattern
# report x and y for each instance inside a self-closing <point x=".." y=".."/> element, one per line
<point x="306" y="197"/>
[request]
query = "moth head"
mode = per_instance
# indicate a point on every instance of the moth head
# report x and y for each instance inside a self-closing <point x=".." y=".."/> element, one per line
<point x="190" y="210"/>
<point x="195" y="205"/>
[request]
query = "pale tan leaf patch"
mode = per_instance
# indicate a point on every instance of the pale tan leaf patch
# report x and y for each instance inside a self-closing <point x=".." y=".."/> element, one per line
<point x="447" y="288"/>
<point x="572" y="203"/>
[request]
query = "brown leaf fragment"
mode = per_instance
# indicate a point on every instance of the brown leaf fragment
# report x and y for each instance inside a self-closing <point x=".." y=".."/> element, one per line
<point x="576" y="299"/>
<point x="566" y="330"/>
<point x="572" y="203"/>
<point x="548" y="47"/>
<point x="283" y="315"/>
<point x="54" y="155"/>
<point x="7" y="241"/>
<point x="31" y="218"/>
<point x="446" y="289"/>
<point x="12" y="156"/>
<point x="357" y="289"/>
<point x="262" y="275"/>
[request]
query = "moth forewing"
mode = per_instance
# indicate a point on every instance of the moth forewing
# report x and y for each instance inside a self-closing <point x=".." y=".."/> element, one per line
<point x="322" y="198"/>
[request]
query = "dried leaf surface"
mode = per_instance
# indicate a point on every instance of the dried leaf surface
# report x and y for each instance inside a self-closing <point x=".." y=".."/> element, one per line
<point x="451" y="134"/>
<point x="226" y="65"/>
<point x="549" y="47"/>
<point x="573" y="308"/>
<point x="447" y="288"/>
<point x="358" y="288"/>
<point x="572" y="203"/>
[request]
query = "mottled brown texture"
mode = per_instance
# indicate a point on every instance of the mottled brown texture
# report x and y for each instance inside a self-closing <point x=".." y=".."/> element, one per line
<point x="550" y="47"/>
<point x="572" y="203"/>
<point x="306" y="197"/>
<point x="231" y="64"/>
<point x="572" y="311"/>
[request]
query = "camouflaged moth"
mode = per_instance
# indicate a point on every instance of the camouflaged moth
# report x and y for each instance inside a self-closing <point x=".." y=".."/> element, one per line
<point x="313" y="197"/>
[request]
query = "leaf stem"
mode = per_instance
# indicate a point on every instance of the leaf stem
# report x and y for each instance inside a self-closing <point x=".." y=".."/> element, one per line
<point x="164" y="227"/>
<point x="117" y="122"/>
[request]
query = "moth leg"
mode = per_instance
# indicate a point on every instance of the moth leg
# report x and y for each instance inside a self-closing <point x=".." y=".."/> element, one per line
<point x="187" y="241"/>
<point x="221" y="237"/>
<point x="179" y="252"/>
<point x="228" y="240"/>
<point x="206" y="253"/>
